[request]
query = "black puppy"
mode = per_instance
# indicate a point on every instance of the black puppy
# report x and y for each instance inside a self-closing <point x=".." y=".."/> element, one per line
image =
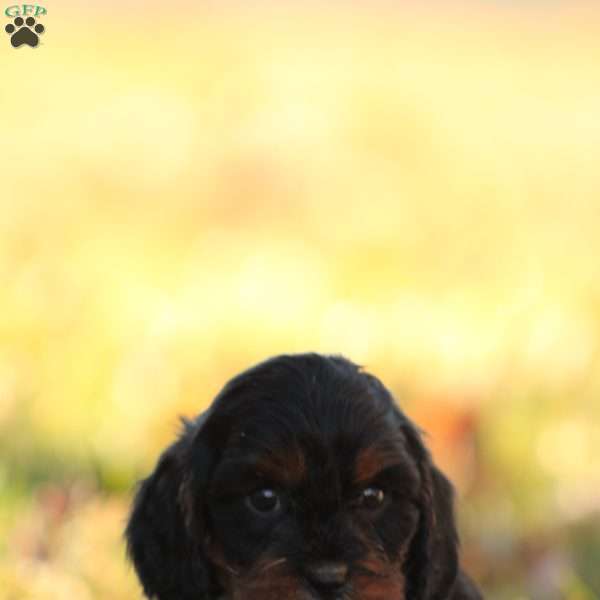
<point x="303" y="481"/>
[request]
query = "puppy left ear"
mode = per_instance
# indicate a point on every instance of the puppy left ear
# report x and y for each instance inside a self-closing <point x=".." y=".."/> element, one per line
<point x="432" y="567"/>
<point x="164" y="535"/>
<point x="442" y="537"/>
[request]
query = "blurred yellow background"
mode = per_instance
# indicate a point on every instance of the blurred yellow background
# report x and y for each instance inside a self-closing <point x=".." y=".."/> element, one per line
<point x="188" y="189"/>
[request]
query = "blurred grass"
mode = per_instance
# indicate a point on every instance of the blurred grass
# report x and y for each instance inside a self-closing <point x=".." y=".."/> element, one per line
<point x="185" y="194"/>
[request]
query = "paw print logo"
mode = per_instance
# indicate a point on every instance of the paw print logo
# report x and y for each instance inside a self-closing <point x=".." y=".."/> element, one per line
<point x="24" y="32"/>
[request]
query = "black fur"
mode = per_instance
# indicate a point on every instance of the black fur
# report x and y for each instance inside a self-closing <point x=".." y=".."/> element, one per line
<point x="191" y="535"/>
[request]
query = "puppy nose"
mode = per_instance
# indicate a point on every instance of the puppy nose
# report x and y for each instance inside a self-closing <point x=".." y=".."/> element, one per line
<point x="328" y="575"/>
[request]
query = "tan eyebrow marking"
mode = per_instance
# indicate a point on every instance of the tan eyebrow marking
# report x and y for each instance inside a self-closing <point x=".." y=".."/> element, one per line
<point x="371" y="461"/>
<point x="286" y="467"/>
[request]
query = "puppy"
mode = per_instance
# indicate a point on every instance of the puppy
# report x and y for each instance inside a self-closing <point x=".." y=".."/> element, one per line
<point x="302" y="481"/>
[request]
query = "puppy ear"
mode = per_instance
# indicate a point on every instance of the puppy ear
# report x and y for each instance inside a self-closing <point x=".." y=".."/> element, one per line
<point x="165" y="530"/>
<point x="432" y="566"/>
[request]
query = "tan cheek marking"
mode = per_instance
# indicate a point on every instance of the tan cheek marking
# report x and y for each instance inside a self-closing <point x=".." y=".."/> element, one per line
<point x="382" y="590"/>
<point x="268" y="580"/>
<point x="386" y="582"/>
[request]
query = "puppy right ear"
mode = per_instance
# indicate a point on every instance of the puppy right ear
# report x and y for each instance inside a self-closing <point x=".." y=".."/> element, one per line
<point x="165" y="530"/>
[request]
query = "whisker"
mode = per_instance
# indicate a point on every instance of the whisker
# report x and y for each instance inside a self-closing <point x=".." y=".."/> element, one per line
<point x="272" y="564"/>
<point x="231" y="570"/>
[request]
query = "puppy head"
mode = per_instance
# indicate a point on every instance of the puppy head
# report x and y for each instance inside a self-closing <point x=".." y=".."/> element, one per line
<point x="302" y="481"/>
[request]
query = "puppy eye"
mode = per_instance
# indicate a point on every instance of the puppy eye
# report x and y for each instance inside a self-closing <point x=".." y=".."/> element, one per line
<point x="264" y="501"/>
<point x="371" y="498"/>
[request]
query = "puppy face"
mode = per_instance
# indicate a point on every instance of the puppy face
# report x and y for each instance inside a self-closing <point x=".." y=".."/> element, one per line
<point x="303" y="481"/>
<point x="312" y="497"/>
